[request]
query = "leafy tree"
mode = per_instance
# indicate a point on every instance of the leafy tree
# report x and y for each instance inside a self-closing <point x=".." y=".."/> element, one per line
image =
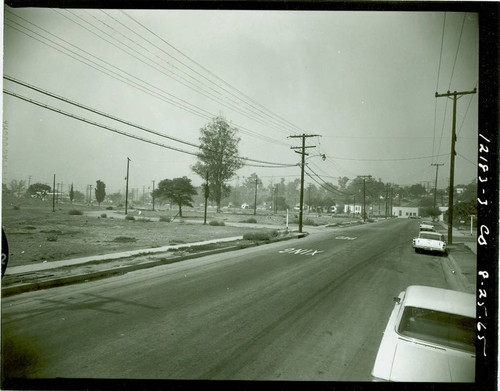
<point x="417" y="190"/>
<point x="178" y="190"/>
<point x="116" y="198"/>
<point x="18" y="187"/>
<point x="78" y="196"/>
<point x="100" y="191"/>
<point x="39" y="190"/>
<point x="343" y="182"/>
<point x="218" y="157"/>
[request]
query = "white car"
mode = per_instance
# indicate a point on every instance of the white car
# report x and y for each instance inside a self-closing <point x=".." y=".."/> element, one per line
<point x="430" y="241"/>
<point x="427" y="226"/>
<point x="430" y="337"/>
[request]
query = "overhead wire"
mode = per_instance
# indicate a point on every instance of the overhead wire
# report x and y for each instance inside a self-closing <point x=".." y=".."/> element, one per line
<point x="169" y="98"/>
<point x="268" y="164"/>
<point x="158" y="67"/>
<point x="209" y="72"/>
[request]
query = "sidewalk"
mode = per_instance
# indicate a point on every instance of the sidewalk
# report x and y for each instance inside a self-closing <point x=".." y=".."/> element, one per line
<point x="462" y="257"/>
<point x="27" y="278"/>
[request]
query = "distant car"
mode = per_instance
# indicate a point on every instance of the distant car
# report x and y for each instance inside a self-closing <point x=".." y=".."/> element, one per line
<point x="427" y="226"/>
<point x="430" y="337"/>
<point x="430" y="241"/>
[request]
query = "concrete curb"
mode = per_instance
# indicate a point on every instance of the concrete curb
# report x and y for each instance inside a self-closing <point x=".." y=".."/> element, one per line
<point x="29" y="287"/>
<point x="457" y="272"/>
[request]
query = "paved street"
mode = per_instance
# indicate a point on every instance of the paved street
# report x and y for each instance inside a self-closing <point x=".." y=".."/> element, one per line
<point x="304" y="309"/>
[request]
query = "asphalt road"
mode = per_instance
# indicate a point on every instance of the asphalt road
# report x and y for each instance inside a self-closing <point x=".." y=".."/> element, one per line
<point x="305" y="309"/>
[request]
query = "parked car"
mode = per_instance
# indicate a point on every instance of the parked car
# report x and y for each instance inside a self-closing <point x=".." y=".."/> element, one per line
<point x="427" y="226"/>
<point x="430" y="241"/>
<point x="430" y="337"/>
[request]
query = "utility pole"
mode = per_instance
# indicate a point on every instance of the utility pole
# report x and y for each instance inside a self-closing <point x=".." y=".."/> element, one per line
<point x="364" y="194"/>
<point x="54" y="194"/>
<point x="206" y="193"/>
<point x="126" y="188"/>
<point x="153" y="196"/>
<point x="303" y="153"/>
<point x="455" y="96"/>
<point x="255" y="201"/>
<point x="436" y="181"/>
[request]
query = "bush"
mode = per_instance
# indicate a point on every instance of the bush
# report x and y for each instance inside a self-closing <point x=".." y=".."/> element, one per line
<point x="217" y="223"/>
<point x="109" y="208"/>
<point x="310" y="221"/>
<point x="260" y="236"/>
<point x="129" y="217"/>
<point x="250" y="220"/>
<point x="75" y="212"/>
<point x="166" y="219"/>
<point x="124" y="239"/>
<point x="29" y="227"/>
<point x="104" y="215"/>
<point x="15" y="207"/>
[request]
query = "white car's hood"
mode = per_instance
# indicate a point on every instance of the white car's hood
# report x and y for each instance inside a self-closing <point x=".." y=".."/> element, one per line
<point x="415" y="362"/>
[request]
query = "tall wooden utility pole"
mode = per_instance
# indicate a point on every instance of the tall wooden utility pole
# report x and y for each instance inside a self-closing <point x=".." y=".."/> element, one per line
<point x="436" y="181"/>
<point x="454" y="95"/>
<point x="303" y="153"/>
<point x="126" y="189"/>
<point x="153" y="195"/>
<point x="255" y="201"/>
<point x="364" y="194"/>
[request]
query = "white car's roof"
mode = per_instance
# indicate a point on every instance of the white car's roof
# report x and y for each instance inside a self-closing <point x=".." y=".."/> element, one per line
<point x="444" y="300"/>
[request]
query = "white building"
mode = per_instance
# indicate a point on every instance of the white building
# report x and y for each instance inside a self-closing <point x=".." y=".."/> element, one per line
<point x="349" y="208"/>
<point x="405" y="211"/>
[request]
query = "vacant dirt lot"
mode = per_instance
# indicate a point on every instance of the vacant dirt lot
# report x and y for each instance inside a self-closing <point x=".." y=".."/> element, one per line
<point x="36" y="234"/>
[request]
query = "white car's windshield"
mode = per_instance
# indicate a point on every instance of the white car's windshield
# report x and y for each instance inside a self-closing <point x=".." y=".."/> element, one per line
<point x="455" y="331"/>
<point x="430" y="236"/>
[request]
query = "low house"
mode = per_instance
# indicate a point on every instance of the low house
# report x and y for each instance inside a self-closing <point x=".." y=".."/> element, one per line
<point x="405" y="211"/>
<point x="351" y="208"/>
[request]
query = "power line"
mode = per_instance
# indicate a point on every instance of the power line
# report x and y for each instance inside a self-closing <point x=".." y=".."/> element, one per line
<point x="268" y="164"/>
<point x="209" y="72"/>
<point x="169" y="98"/>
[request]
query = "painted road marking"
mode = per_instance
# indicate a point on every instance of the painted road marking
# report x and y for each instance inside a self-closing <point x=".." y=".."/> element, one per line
<point x="301" y="251"/>
<point x="345" y="238"/>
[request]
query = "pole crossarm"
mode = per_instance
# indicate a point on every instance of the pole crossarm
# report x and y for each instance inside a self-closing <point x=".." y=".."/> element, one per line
<point x="455" y="93"/>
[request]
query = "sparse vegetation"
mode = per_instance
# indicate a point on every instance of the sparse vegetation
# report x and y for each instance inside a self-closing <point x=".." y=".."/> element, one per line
<point x="75" y="212"/>
<point x="128" y="217"/>
<point x="260" y="236"/>
<point x="217" y="223"/>
<point x="165" y="219"/>
<point x="124" y="239"/>
<point x="250" y="220"/>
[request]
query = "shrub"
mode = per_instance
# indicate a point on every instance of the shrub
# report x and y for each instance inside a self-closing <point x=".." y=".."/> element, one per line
<point x="104" y="215"/>
<point x="216" y="223"/>
<point x="310" y="221"/>
<point x="109" y="208"/>
<point x="250" y="220"/>
<point x="129" y="217"/>
<point x="260" y="235"/>
<point x="166" y="219"/>
<point x="15" y="207"/>
<point x="75" y="212"/>
<point x="52" y="238"/>
<point x="124" y="239"/>
<point x="29" y="227"/>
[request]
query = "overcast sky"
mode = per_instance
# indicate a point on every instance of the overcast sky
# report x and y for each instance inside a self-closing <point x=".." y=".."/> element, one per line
<point x="365" y="82"/>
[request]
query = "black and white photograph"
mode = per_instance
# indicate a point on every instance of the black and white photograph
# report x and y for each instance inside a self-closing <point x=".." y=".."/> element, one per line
<point x="296" y="195"/>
